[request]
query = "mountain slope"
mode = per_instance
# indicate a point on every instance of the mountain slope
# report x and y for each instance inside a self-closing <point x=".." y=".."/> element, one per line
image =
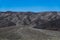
<point x="29" y="26"/>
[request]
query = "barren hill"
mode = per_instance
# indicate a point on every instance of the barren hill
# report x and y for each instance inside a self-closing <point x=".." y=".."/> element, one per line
<point x="29" y="25"/>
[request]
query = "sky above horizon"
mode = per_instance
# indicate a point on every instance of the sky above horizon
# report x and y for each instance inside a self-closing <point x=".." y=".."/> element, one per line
<point x="30" y="5"/>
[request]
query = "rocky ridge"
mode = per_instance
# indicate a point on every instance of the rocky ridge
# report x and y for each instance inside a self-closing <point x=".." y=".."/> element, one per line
<point x="40" y="20"/>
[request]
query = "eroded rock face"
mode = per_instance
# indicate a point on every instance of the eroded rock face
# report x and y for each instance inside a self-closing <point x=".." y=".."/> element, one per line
<point x="42" y="20"/>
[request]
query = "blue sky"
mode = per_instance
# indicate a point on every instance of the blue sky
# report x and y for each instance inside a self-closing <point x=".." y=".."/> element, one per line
<point x="30" y="5"/>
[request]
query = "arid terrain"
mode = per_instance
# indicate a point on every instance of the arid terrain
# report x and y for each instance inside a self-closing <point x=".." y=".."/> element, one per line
<point x="30" y="25"/>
